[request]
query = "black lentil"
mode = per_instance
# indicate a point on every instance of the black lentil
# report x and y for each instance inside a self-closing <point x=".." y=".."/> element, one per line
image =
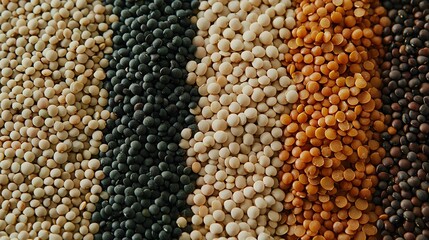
<point x="404" y="174"/>
<point x="147" y="179"/>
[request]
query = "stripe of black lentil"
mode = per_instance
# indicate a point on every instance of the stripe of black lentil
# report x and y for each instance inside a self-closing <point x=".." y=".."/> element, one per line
<point x="404" y="172"/>
<point x="146" y="176"/>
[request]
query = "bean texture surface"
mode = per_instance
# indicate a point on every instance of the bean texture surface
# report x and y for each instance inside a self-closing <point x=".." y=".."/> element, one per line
<point x="214" y="119"/>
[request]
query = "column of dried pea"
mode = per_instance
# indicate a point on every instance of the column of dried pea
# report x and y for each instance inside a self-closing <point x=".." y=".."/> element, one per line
<point x="51" y="116"/>
<point x="244" y="89"/>
<point x="332" y="136"/>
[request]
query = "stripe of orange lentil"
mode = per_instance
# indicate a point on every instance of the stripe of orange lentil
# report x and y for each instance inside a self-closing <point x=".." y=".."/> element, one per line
<point x="332" y="136"/>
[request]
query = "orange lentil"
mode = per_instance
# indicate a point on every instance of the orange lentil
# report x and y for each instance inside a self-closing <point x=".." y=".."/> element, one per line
<point x="360" y="83"/>
<point x="357" y="34"/>
<point x="314" y="226"/>
<point x="362" y="152"/>
<point x="330" y="120"/>
<point x="344" y="93"/>
<point x="327" y="183"/>
<point x="318" y="161"/>
<point x="320" y="133"/>
<point x="333" y="109"/>
<point x="354" y="56"/>
<point x="284" y="155"/>
<point x="327" y="37"/>
<point x="330" y="134"/>
<point x="359" y="12"/>
<point x="327" y="47"/>
<point x="301" y="32"/>
<point x="350" y="21"/>
<point x="361" y="204"/>
<point x="298" y="57"/>
<point x="314" y="151"/>
<point x="319" y="60"/>
<point x="311" y="170"/>
<point x="340" y="116"/>
<point x="312" y="87"/>
<point x="299" y="164"/>
<point x="285" y="119"/>
<point x="336" y="146"/>
<point x="332" y="65"/>
<point x="292" y="127"/>
<point x="368" y="65"/>
<point x="354" y="213"/>
<point x="341" y="201"/>
<point x="300" y="231"/>
<point x="349" y="174"/>
<point x="337" y="175"/>
<point x="350" y="81"/>
<point x="331" y="143"/>
<point x="308" y="58"/>
<point x="336" y="17"/>
<point x="302" y="118"/>
<point x="287" y="178"/>
<point x="342" y="58"/>
<point x="369" y="229"/>
<point x="364" y="97"/>
<point x="289" y="141"/>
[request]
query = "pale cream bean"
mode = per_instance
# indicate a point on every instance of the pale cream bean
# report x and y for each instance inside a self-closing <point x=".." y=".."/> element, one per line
<point x="244" y="90"/>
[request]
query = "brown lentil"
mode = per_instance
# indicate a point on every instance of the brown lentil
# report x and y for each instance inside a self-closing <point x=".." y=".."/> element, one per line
<point x="403" y="174"/>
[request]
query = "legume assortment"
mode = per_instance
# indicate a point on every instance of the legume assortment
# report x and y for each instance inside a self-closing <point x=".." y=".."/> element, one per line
<point x="332" y="135"/>
<point x="404" y="172"/>
<point x="216" y="119"/>
<point x="146" y="177"/>
<point x="51" y="107"/>
<point x="244" y="89"/>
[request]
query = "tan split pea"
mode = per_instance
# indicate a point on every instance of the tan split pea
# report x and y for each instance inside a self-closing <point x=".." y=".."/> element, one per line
<point x="243" y="55"/>
<point x="45" y="133"/>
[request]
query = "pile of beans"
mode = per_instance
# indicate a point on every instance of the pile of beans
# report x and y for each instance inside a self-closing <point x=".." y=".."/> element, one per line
<point x="214" y="119"/>
<point x="404" y="172"/>
<point x="51" y="108"/>
<point x="147" y="181"/>
<point x="333" y="132"/>
<point x="244" y="89"/>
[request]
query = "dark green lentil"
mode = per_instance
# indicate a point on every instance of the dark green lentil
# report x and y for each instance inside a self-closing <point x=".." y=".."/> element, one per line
<point x="146" y="176"/>
<point x="403" y="189"/>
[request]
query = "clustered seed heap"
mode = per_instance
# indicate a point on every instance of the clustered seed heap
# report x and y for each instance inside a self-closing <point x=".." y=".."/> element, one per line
<point x="332" y="134"/>
<point x="269" y="157"/>
<point x="51" y="108"/>
<point x="244" y="90"/>
<point x="404" y="172"/>
<point x="146" y="177"/>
